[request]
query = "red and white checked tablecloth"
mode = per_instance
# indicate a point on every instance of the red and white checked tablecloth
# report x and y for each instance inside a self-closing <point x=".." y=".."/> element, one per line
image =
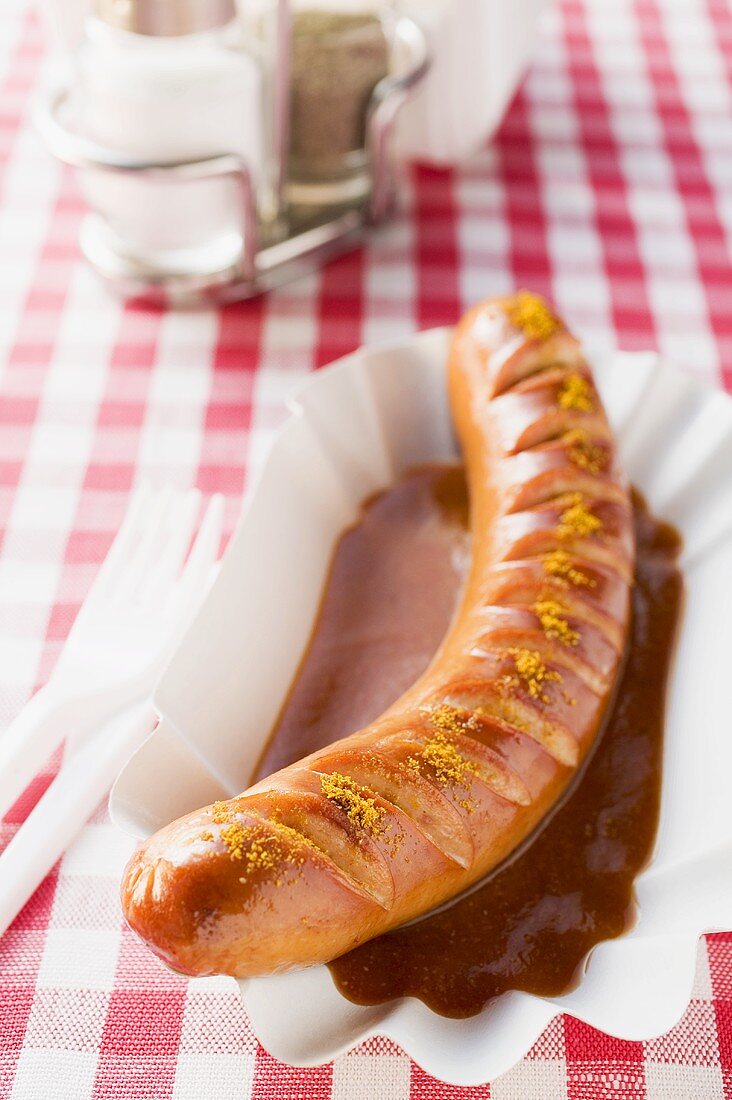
<point x="609" y="188"/>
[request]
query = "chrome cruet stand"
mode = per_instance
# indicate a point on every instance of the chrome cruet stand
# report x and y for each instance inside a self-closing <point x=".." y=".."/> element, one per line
<point x="307" y="236"/>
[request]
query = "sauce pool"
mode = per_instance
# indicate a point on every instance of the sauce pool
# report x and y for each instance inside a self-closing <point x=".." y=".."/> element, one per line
<point x="394" y="584"/>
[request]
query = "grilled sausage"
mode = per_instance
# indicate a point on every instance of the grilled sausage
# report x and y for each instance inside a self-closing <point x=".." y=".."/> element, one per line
<point x="384" y="825"/>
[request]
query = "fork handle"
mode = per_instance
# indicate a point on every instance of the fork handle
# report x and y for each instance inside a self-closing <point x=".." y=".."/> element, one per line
<point x="48" y="717"/>
<point x="66" y="806"/>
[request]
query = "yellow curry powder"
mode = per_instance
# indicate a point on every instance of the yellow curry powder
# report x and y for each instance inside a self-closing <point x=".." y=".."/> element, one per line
<point x="558" y="565"/>
<point x="443" y="756"/>
<point x="359" y="807"/>
<point x="450" y="719"/>
<point x="550" y="614"/>
<point x="532" y="673"/>
<point x="532" y="315"/>
<point x="255" y="846"/>
<point x="584" y="453"/>
<point x="575" y="392"/>
<point x="577" y="520"/>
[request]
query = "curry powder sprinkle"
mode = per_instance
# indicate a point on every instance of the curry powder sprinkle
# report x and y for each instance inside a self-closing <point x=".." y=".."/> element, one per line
<point x="577" y="520"/>
<point x="359" y="807"/>
<point x="558" y="565"/>
<point x="531" y="314"/>
<point x="550" y="614"/>
<point x="584" y="453"/>
<point x="220" y="813"/>
<point x="256" y="848"/>
<point x="254" y="845"/>
<point x="235" y="836"/>
<point x="264" y="852"/>
<point x="532" y="672"/>
<point x="449" y="719"/>
<point x="442" y="755"/>
<point x="575" y="392"/>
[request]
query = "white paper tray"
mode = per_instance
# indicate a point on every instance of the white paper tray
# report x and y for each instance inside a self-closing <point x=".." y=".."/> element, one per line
<point x="354" y="428"/>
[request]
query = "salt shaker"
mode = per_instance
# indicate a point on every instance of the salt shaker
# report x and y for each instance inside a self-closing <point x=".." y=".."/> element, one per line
<point x="167" y="80"/>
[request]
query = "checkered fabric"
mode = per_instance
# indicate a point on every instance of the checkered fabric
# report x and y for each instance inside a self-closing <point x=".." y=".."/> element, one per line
<point x="609" y="188"/>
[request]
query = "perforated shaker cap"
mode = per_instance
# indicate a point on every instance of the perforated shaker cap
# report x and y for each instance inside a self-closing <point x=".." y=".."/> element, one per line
<point x="165" y="18"/>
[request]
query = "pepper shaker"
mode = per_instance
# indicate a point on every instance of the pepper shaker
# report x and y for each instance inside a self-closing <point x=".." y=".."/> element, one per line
<point x="341" y="50"/>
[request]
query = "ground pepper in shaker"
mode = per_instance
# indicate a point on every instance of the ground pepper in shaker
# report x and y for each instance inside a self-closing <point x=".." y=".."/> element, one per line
<point x="338" y="58"/>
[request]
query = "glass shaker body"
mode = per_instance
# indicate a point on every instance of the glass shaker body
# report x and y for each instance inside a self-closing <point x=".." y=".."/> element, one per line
<point x="153" y="99"/>
<point x="341" y="49"/>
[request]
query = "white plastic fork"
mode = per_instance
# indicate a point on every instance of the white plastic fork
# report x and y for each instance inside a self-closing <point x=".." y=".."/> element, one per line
<point x="66" y="806"/>
<point x="136" y="610"/>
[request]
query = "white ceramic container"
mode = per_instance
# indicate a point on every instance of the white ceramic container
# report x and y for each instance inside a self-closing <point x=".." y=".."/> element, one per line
<point x="354" y="428"/>
<point x="480" y="49"/>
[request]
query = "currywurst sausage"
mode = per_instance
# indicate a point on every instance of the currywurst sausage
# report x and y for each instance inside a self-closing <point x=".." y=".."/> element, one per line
<point x="398" y="818"/>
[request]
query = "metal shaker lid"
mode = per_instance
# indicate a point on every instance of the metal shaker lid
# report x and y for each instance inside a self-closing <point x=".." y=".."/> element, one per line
<point x="165" y="18"/>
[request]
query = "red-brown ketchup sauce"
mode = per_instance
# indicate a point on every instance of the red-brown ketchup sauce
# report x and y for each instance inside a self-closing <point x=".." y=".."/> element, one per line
<point x="393" y="587"/>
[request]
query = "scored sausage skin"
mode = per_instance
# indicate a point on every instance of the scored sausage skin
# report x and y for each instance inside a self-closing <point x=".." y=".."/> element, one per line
<point x="398" y="818"/>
